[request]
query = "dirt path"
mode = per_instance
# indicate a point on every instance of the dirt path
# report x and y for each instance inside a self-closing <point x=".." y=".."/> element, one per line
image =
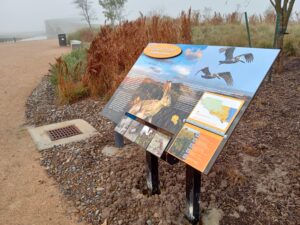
<point x="27" y="195"/>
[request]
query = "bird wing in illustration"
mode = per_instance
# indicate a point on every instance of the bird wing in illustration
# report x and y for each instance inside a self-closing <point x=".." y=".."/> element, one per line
<point x="228" y="52"/>
<point x="248" y="57"/>
<point x="205" y="71"/>
<point x="227" y="77"/>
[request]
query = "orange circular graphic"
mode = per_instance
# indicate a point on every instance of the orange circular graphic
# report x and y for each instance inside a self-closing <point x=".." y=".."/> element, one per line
<point x="162" y="51"/>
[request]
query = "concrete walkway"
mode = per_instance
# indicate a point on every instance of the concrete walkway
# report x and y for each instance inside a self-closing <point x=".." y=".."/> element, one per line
<point x="27" y="195"/>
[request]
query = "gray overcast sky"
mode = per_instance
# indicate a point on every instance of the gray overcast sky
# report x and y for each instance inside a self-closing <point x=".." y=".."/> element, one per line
<point x="29" y="15"/>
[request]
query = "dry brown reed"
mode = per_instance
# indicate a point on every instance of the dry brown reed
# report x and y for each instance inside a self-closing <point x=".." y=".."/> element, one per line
<point x="114" y="50"/>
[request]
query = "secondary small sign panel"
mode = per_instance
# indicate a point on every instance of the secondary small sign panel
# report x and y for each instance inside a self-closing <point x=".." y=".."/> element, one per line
<point x="195" y="146"/>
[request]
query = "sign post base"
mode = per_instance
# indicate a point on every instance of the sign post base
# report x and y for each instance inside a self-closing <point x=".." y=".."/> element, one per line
<point x="193" y="187"/>
<point x="152" y="173"/>
<point x="119" y="140"/>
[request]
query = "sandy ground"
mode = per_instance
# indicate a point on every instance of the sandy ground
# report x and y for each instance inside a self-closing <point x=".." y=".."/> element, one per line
<point x="27" y="195"/>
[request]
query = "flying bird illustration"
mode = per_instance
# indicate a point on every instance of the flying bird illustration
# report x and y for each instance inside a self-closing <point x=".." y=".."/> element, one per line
<point x="230" y="59"/>
<point x="226" y="76"/>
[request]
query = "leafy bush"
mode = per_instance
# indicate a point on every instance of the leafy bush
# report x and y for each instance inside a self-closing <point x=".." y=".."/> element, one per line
<point x="72" y="59"/>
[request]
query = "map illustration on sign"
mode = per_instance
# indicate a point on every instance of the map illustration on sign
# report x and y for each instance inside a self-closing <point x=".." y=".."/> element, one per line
<point x="158" y="144"/>
<point x="195" y="146"/>
<point x="215" y="112"/>
<point x="165" y="91"/>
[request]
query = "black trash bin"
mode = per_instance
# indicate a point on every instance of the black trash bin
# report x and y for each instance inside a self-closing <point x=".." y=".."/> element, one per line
<point x="62" y="39"/>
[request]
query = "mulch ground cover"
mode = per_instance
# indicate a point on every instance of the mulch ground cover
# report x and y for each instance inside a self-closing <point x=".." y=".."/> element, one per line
<point x="255" y="180"/>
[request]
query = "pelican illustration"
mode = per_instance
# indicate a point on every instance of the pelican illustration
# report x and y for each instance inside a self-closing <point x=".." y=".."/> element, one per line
<point x="230" y="59"/>
<point x="226" y="76"/>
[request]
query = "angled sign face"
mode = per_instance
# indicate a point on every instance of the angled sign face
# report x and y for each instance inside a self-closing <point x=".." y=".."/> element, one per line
<point x="205" y="86"/>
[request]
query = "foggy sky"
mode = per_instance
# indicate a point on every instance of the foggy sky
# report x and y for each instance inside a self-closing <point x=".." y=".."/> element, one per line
<point x="29" y="15"/>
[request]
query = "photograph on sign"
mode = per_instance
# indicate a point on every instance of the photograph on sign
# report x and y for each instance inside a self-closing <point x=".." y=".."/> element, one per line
<point x="123" y="125"/>
<point x="195" y="146"/>
<point x="165" y="91"/>
<point x="158" y="144"/>
<point x="215" y="112"/>
<point x="145" y="136"/>
<point x="133" y="130"/>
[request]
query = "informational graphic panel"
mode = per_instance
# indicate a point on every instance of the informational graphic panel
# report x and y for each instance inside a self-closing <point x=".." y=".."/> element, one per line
<point x="200" y="87"/>
<point x="195" y="146"/>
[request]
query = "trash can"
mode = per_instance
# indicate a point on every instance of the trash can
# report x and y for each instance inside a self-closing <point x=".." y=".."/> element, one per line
<point x="75" y="44"/>
<point x="62" y="39"/>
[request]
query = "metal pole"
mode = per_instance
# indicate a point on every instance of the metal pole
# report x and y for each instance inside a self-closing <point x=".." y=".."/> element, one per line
<point x="193" y="185"/>
<point x="152" y="173"/>
<point x="248" y="30"/>
<point x="119" y="140"/>
<point x="276" y="29"/>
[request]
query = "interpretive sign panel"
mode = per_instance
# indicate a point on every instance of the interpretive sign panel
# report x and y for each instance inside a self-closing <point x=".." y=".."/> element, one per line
<point x="176" y="87"/>
<point x="165" y="91"/>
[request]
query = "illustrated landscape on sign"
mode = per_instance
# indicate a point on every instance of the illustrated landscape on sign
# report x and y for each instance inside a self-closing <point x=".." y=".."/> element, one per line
<point x="215" y="112"/>
<point x="195" y="146"/>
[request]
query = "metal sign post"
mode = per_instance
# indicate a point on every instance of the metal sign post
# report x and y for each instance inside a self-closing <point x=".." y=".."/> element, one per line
<point x="193" y="187"/>
<point x="248" y="30"/>
<point x="119" y="140"/>
<point x="152" y="173"/>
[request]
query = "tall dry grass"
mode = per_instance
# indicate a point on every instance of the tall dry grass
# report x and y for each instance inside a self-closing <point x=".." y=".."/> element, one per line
<point x="114" y="50"/>
<point x="230" y="29"/>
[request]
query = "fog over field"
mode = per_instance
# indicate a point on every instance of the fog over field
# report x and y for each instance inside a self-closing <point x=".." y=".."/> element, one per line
<point x="23" y="16"/>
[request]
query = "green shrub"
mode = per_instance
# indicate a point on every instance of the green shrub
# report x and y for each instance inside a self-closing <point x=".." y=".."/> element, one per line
<point x="72" y="59"/>
<point x="66" y="75"/>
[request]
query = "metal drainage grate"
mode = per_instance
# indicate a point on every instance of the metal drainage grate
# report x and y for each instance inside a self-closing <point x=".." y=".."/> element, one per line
<point x="63" y="132"/>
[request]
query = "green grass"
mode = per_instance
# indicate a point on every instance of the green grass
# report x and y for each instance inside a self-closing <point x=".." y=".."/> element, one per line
<point x="262" y="36"/>
<point x="66" y="76"/>
<point x="76" y="60"/>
